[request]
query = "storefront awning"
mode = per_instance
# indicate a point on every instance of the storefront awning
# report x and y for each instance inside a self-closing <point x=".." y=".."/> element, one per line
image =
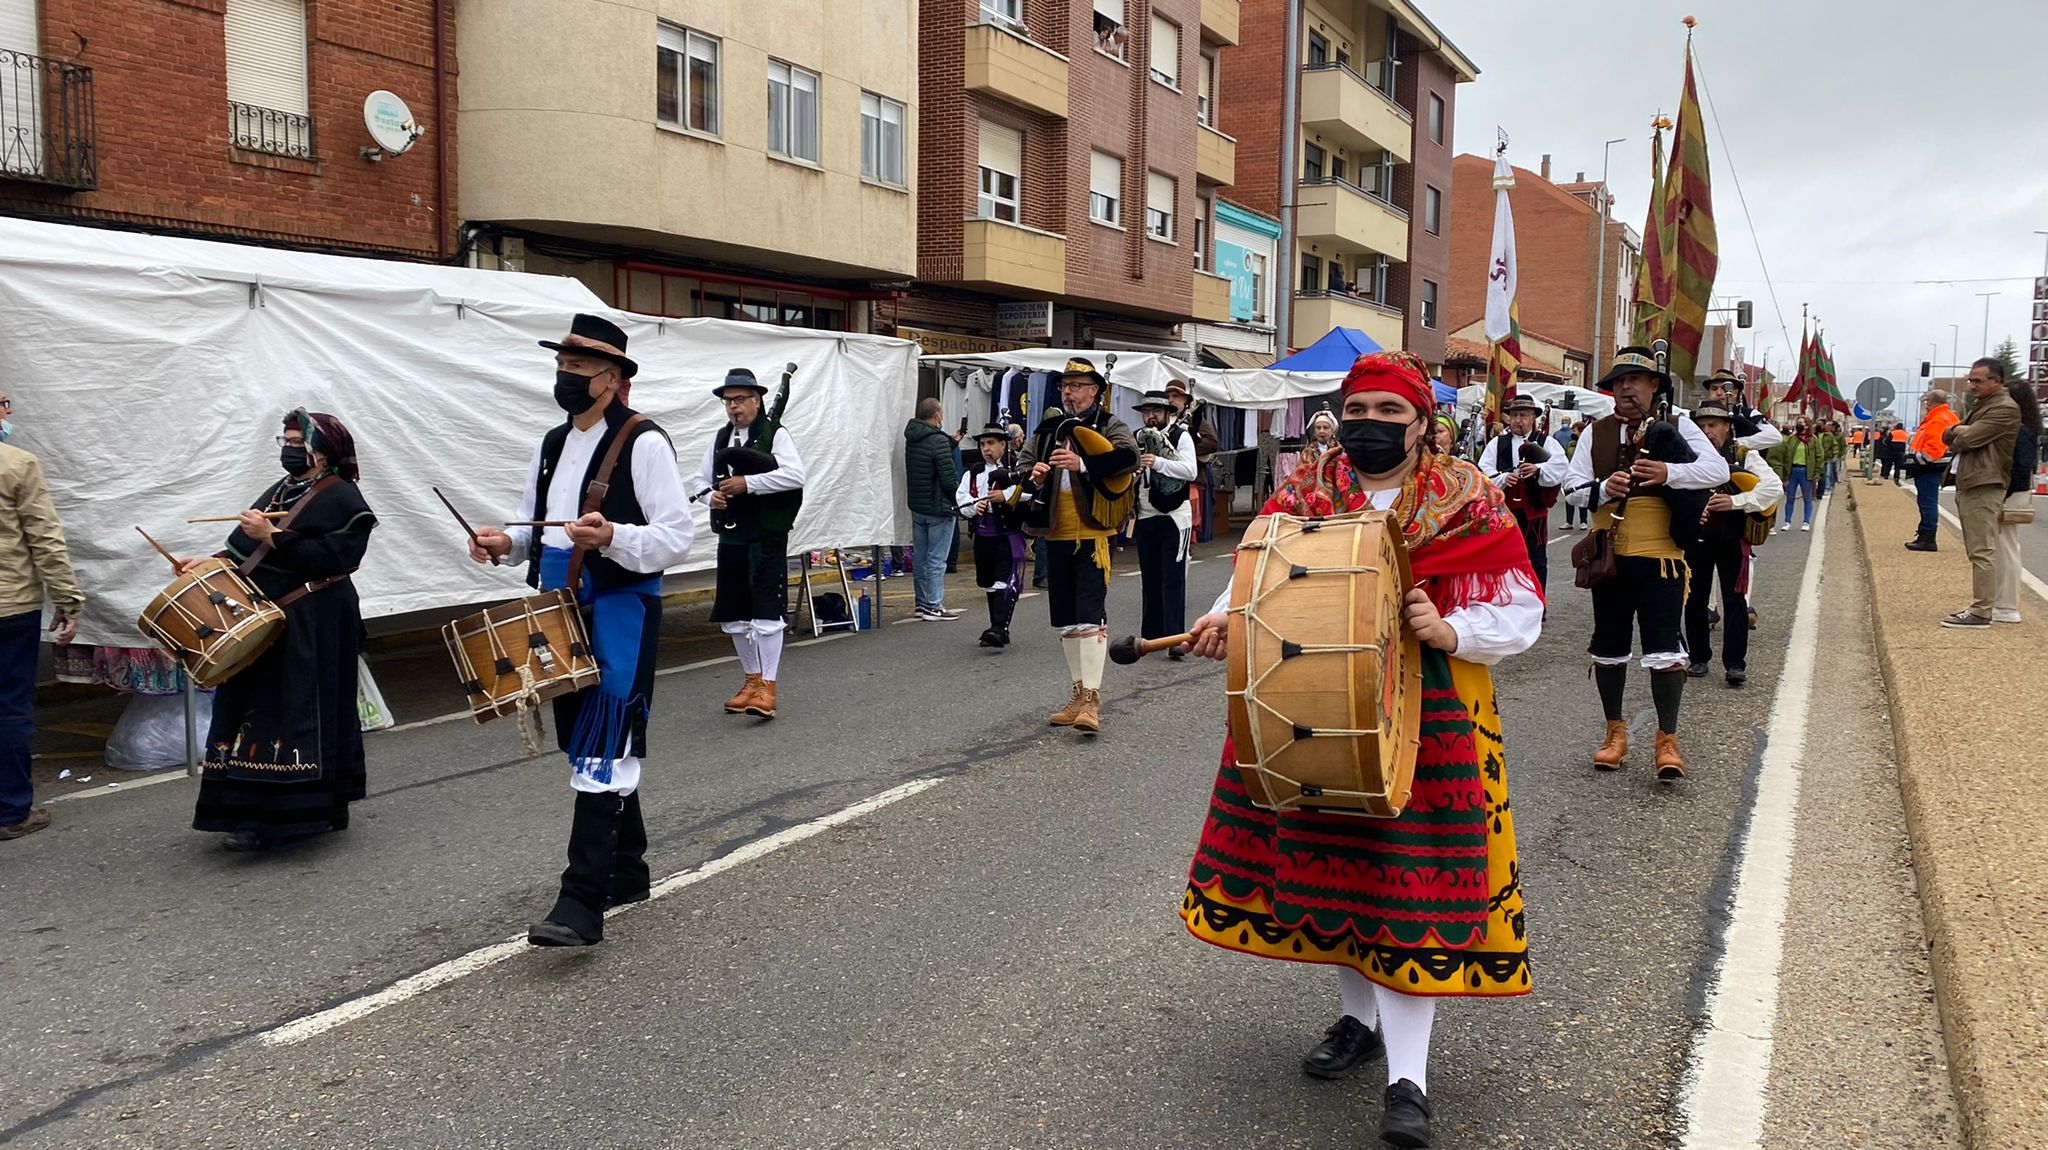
<point x="1243" y="360"/>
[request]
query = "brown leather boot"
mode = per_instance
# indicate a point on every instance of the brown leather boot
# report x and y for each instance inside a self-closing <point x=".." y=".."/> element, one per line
<point x="1614" y="750"/>
<point x="738" y="703"/>
<point x="1669" y="764"/>
<point x="1088" y="711"/>
<point x="1065" y="716"/>
<point x="761" y="704"/>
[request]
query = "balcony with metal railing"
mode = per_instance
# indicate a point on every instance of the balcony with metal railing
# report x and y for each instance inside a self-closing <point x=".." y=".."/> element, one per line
<point x="46" y="122"/>
<point x="270" y="131"/>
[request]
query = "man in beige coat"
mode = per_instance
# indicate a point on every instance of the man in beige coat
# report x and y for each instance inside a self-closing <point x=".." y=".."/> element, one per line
<point x="1982" y="447"/>
<point x="33" y="566"/>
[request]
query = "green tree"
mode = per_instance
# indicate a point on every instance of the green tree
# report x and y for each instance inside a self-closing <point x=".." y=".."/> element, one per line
<point x="2008" y="353"/>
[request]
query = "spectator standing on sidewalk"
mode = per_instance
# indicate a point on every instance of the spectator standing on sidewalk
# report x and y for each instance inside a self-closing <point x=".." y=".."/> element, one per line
<point x="1926" y="460"/>
<point x="1984" y="445"/>
<point x="1797" y="458"/>
<point x="33" y="566"/>
<point x="2018" y="509"/>
<point x="933" y="477"/>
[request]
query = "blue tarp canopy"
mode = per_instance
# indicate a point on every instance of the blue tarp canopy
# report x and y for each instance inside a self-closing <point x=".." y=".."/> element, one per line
<point x="1336" y="351"/>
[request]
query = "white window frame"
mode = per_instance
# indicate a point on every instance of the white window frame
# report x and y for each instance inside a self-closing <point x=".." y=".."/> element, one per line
<point x="1003" y="13"/>
<point x="1106" y="207"/>
<point x="875" y="156"/>
<point x="1205" y="90"/>
<point x="1262" y="302"/>
<point x="1162" y="28"/>
<point x="688" y="46"/>
<point x="1432" y="209"/>
<point x="1159" y="222"/>
<point x="792" y="78"/>
<point x="991" y="203"/>
<point x="1201" y="233"/>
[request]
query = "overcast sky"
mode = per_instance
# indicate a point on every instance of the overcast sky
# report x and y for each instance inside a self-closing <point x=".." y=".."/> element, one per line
<point x="1878" y="144"/>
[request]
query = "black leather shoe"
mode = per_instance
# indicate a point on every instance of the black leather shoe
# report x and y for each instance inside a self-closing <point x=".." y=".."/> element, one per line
<point x="1697" y="671"/>
<point x="1737" y="676"/>
<point x="1346" y="1047"/>
<point x="1405" y="1122"/>
<point x="550" y="933"/>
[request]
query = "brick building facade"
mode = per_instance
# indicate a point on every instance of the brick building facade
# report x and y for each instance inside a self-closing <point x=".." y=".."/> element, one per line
<point x="1557" y="253"/>
<point x="153" y="141"/>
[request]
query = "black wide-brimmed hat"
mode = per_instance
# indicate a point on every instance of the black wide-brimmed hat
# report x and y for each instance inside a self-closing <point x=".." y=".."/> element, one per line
<point x="1522" y="402"/>
<point x="1634" y="361"/>
<point x="1155" y="399"/>
<point x="1712" y="409"/>
<point x="739" y="377"/>
<point x="992" y="431"/>
<point x="1078" y="366"/>
<point x="1724" y="376"/>
<point x="596" y="336"/>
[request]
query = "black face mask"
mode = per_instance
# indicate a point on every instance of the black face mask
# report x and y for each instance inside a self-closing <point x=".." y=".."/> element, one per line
<point x="295" y="459"/>
<point x="1376" y="446"/>
<point x="572" y="392"/>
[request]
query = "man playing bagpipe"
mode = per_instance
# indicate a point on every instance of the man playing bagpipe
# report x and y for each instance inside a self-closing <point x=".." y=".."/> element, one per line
<point x="991" y="497"/>
<point x="1738" y="517"/>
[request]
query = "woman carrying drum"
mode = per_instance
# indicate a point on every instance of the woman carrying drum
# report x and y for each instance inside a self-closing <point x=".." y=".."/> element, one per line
<point x="1428" y="904"/>
<point x="284" y="756"/>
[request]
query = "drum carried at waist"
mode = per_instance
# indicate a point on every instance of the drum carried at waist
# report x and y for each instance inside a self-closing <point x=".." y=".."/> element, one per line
<point x="213" y="621"/>
<point x="521" y="654"/>
<point x="1324" y="681"/>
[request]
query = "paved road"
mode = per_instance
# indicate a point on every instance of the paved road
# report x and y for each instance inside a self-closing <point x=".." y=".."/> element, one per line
<point x="995" y="961"/>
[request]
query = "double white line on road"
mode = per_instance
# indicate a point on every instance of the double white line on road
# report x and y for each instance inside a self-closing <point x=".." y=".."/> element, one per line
<point x="313" y="1025"/>
<point x="1728" y="1082"/>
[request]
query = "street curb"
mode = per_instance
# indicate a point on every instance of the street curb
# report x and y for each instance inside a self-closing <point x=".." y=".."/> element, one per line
<point x="1975" y="800"/>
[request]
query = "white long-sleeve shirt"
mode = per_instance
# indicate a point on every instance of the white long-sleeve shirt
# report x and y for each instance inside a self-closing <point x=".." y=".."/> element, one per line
<point x="1708" y="471"/>
<point x="1487" y="632"/>
<point x="787" y="476"/>
<point x="1768" y="490"/>
<point x="974" y="488"/>
<point x="1767" y="434"/>
<point x="1549" y="473"/>
<point x="1180" y="465"/>
<point x="659" y="545"/>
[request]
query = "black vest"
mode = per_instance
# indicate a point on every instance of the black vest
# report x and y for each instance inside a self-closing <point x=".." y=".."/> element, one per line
<point x="751" y="518"/>
<point x="620" y="504"/>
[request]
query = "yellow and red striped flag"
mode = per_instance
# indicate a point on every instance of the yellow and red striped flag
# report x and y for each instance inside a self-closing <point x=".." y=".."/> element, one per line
<point x="1653" y="283"/>
<point x="1688" y="222"/>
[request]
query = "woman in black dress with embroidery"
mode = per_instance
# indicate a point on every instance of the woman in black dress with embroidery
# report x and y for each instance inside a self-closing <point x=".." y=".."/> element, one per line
<point x="284" y="755"/>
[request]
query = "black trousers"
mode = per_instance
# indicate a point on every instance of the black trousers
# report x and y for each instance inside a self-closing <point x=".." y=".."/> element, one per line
<point x="1163" y="571"/>
<point x="1076" y="588"/>
<point x="1536" y="535"/>
<point x="1640" y="597"/>
<point x="1725" y="560"/>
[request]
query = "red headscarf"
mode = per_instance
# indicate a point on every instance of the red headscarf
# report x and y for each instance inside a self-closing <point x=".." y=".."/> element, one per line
<point x="1400" y="372"/>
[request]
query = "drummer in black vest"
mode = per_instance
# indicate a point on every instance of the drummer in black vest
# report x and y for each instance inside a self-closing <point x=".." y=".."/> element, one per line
<point x="752" y="514"/>
<point x="641" y="529"/>
<point x="1531" y="484"/>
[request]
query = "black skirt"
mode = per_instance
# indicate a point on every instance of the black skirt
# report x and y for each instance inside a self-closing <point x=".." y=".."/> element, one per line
<point x="753" y="580"/>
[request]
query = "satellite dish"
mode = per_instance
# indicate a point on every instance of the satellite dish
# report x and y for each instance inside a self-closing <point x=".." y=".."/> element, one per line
<point x="390" y="123"/>
<point x="1875" y="393"/>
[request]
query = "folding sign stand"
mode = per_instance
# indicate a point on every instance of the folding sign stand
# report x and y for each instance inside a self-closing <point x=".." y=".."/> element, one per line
<point x="810" y="606"/>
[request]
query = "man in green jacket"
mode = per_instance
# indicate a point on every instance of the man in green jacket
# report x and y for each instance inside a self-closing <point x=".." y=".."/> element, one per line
<point x="1982" y="445"/>
<point x="933" y="475"/>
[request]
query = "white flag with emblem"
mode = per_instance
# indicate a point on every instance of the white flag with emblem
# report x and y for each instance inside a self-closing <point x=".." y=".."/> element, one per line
<point x="1500" y="276"/>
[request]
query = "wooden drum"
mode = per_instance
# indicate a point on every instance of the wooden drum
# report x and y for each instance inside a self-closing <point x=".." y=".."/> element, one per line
<point x="213" y="621"/>
<point x="521" y="654"/>
<point x="1325" y="683"/>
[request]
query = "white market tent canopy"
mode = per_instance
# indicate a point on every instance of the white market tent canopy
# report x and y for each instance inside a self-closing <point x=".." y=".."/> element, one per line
<point x="1584" y="401"/>
<point x="1142" y="371"/>
<point x="151" y="373"/>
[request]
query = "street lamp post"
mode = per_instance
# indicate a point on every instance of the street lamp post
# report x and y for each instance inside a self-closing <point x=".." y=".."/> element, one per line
<point x="1955" y="343"/>
<point x="1600" y="275"/>
<point x="1986" y="296"/>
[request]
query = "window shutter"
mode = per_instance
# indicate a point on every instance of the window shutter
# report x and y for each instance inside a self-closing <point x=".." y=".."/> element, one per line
<point x="18" y="28"/>
<point x="1166" y="49"/>
<point x="1002" y="148"/>
<point x="1159" y="192"/>
<point x="1106" y="175"/>
<point x="1205" y="78"/>
<point x="266" y="42"/>
<point x="1114" y="9"/>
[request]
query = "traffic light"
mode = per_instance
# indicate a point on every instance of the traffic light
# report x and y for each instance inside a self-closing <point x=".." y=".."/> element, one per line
<point x="1926" y="369"/>
<point x="1745" y="313"/>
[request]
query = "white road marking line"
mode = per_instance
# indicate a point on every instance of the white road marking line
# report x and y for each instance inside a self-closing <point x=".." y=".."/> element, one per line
<point x="314" y="1025"/>
<point x="170" y="775"/>
<point x="1729" y="1070"/>
<point x="2033" y="583"/>
<point x="823" y="639"/>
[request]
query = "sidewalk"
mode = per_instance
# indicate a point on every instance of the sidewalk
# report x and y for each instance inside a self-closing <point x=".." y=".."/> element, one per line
<point x="1967" y="709"/>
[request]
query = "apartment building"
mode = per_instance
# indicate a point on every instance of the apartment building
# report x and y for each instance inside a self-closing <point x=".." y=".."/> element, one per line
<point x="231" y="119"/>
<point x="1071" y="164"/>
<point x="1562" y="289"/>
<point x="1362" y="183"/>
<point x="736" y="159"/>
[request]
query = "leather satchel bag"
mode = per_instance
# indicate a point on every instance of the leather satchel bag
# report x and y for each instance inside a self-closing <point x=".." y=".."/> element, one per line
<point x="1593" y="559"/>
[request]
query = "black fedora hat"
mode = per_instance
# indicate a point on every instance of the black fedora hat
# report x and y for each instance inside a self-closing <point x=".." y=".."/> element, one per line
<point x="1634" y="361"/>
<point x="739" y="377"/>
<point x="1155" y="399"/>
<point x="993" y="431"/>
<point x="596" y="336"/>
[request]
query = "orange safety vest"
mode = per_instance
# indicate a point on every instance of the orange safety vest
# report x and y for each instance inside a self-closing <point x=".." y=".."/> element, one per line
<point x="1927" y="440"/>
<point x="1898" y="435"/>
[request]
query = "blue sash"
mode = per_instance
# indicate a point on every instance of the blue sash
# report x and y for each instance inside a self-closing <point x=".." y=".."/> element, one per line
<point x="608" y="716"/>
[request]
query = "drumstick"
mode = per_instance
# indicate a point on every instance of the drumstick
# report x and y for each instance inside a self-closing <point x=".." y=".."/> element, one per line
<point x="159" y="548"/>
<point x="540" y="523"/>
<point x="1130" y="648"/>
<point x="465" y="523"/>
<point x="238" y="518"/>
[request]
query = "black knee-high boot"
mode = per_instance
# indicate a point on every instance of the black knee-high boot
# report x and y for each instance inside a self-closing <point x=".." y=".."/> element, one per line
<point x="993" y="637"/>
<point x="1667" y="688"/>
<point x="1005" y="606"/>
<point x="630" y="879"/>
<point x="578" y="916"/>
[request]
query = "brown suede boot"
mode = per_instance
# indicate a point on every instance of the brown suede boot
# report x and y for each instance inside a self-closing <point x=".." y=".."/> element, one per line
<point x="1669" y="764"/>
<point x="1088" y="711"/>
<point x="738" y="703"/>
<point x="1614" y="750"/>
<point x="1065" y="716"/>
<point x="761" y="704"/>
